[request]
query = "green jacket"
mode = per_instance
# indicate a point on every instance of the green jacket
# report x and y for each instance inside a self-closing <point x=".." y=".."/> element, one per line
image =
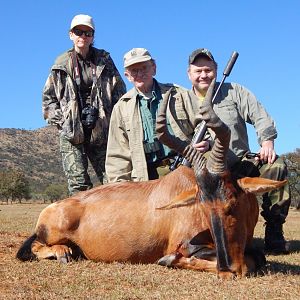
<point x="125" y="157"/>
<point x="60" y="99"/>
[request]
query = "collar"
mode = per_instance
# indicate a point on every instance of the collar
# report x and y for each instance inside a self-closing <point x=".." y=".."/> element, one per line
<point x="201" y="98"/>
<point x="88" y="56"/>
<point x="155" y="93"/>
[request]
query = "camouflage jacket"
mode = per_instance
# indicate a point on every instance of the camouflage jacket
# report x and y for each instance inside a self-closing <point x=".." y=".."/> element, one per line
<point x="60" y="97"/>
<point x="125" y="156"/>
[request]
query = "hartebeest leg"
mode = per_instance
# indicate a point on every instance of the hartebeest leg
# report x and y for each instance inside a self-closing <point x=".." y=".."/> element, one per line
<point x="61" y="252"/>
<point x="253" y="261"/>
<point x="193" y="263"/>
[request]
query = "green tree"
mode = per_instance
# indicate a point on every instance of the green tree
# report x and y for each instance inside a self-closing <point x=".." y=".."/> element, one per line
<point x="4" y="190"/>
<point x="14" y="185"/>
<point x="292" y="160"/>
<point x="54" y="192"/>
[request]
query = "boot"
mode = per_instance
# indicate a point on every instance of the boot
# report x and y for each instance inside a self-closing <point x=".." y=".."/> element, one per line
<point x="275" y="242"/>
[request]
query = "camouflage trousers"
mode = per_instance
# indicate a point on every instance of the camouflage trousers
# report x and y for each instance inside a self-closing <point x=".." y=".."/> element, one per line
<point x="75" y="164"/>
<point x="275" y="203"/>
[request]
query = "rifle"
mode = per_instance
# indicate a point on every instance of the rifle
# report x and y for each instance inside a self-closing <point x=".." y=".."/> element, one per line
<point x="199" y="135"/>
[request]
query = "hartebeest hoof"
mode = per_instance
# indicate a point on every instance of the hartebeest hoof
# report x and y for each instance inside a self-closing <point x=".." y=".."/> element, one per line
<point x="66" y="258"/>
<point x="63" y="253"/>
<point x="169" y="260"/>
<point x="227" y="275"/>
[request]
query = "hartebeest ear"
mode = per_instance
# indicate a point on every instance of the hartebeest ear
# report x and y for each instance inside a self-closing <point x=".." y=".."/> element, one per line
<point x="184" y="198"/>
<point x="258" y="185"/>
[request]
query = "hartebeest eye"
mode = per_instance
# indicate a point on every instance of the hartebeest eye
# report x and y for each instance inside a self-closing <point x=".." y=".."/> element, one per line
<point x="230" y="196"/>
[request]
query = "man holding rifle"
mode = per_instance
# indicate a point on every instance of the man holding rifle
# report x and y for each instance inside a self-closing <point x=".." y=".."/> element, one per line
<point x="236" y="106"/>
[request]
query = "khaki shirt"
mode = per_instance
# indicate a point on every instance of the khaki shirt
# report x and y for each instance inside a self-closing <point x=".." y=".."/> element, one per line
<point x="125" y="157"/>
<point x="235" y="106"/>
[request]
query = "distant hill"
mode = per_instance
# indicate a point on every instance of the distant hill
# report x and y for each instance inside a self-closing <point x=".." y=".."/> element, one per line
<point x="35" y="152"/>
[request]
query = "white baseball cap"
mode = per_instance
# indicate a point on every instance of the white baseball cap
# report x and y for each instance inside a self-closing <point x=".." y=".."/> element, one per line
<point x="82" y="20"/>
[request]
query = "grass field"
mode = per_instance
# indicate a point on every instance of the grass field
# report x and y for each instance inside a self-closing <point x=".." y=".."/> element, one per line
<point x="88" y="280"/>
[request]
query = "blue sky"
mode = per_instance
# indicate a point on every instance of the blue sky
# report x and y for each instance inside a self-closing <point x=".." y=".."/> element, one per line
<point x="265" y="33"/>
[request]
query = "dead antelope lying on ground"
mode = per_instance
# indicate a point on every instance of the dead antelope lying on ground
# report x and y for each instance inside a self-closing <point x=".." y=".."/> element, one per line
<point x="200" y="219"/>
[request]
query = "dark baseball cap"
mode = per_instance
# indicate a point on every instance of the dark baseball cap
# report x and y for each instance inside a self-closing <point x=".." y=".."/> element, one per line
<point x="202" y="52"/>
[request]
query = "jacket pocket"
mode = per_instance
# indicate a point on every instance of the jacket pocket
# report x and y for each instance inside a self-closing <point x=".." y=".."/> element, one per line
<point x="227" y="112"/>
<point x="72" y="128"/>
<point x="183" y="122"/>
<point x="99" y="134"/>
<point x="180" y="116"/>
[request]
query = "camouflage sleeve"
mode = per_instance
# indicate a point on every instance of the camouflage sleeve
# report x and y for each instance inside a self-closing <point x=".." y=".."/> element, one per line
<point x="119" y="87"/>
<point x="50" y="103"/>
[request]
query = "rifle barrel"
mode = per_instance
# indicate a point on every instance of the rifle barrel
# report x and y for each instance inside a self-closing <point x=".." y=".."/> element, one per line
<point x="199" y="135"/>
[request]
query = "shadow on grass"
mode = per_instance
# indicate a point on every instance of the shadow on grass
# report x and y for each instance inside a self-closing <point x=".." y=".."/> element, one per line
<point x="294" y="245"/>
<point x="283" y="268"/>
<point x="258" y="243"/>
<point x="275" y="267"/>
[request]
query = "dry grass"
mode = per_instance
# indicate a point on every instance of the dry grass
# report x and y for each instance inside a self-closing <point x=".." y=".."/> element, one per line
<point x="89" y="280"/>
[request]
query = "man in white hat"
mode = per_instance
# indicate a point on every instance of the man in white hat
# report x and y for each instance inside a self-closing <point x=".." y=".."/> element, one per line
<point x="78" y="97"/>
<point x="133" y="152"/>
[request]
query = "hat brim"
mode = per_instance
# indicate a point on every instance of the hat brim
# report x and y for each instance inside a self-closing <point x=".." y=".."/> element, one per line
<point x="83" y="23"/>
<point x="137" y="60"/>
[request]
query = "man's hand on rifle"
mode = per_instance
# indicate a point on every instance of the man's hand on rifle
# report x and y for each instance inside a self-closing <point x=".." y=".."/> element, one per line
<point x="267" y="153"/>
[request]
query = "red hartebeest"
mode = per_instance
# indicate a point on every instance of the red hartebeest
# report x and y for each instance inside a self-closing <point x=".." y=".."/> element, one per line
<point x="200" y="219"/>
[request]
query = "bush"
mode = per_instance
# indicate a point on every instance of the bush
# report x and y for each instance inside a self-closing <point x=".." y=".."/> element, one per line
<point x="14" y="185"/>
<point x="54" y="192"/>
<point x="293" y="163"/>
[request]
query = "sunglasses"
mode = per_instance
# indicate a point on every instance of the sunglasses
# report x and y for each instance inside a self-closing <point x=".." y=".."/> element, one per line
<point x="79" y="32"/>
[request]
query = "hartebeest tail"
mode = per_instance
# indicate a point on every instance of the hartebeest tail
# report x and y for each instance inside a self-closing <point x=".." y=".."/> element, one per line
<point x="25" y="253"/>
<point x="201" y="218"/>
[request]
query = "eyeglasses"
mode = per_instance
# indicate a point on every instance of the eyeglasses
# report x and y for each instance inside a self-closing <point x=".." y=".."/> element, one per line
<point x="79" y="32"/>
<point x="135" y="71"/>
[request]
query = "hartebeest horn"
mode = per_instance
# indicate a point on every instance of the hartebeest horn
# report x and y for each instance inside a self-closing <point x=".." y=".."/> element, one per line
<point x="175" y="143"/>
<point x="216" y="162"/>
<point x="162" y="131"/>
